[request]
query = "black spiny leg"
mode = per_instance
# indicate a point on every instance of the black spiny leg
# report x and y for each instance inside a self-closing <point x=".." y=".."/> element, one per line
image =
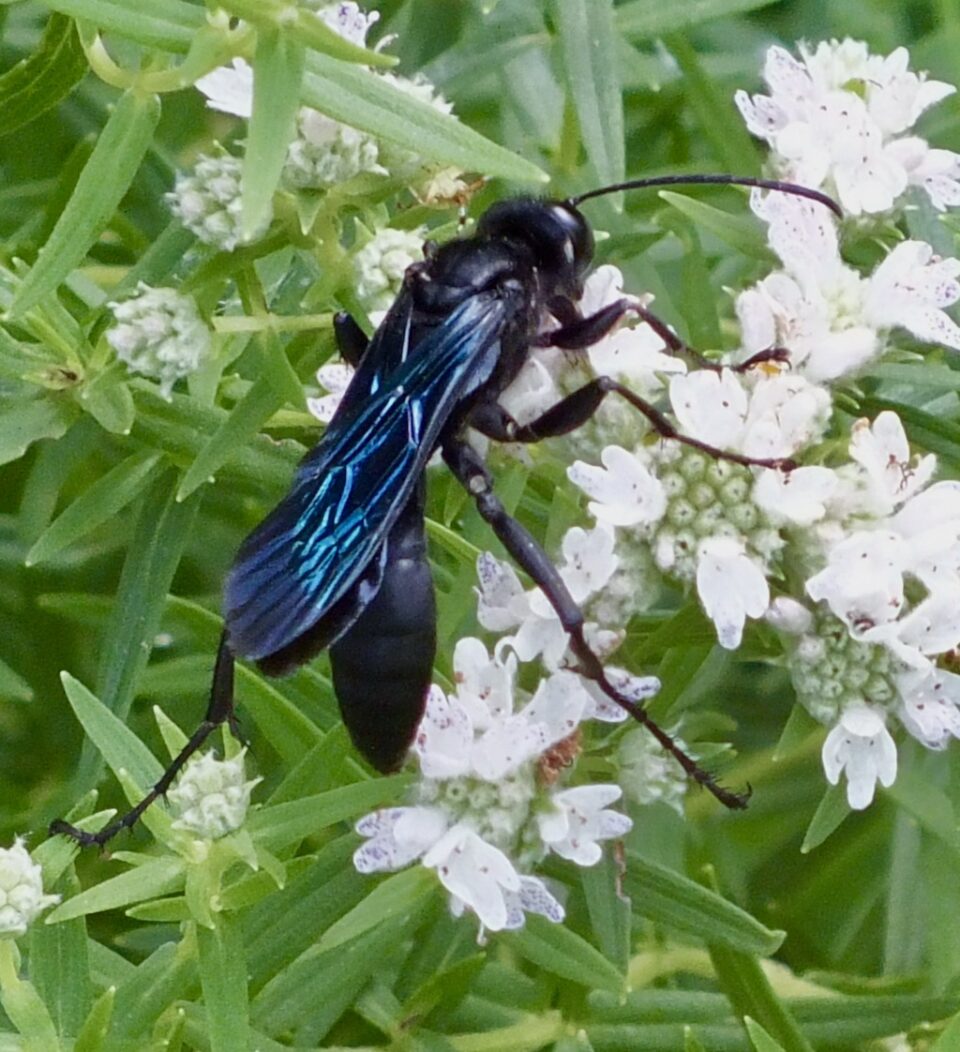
<point x="220" y="710"/>
<point x="578" y="333"/>
<point x="350" y="338"/>
<point x="492" y="420"/>
<point x="472" y="473"/>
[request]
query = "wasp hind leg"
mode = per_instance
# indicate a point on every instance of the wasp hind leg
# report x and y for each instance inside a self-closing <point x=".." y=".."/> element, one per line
<point x="220" y="710"/>
<point x="473" y="475"/>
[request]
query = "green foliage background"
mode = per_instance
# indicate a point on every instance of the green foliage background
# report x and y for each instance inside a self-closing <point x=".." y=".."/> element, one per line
<point x="119" y="514"/>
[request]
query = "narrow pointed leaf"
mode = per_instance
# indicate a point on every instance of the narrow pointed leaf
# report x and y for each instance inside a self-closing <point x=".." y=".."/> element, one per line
<point x="366" y="101"/>
<point x="29" y="1015"/>
<point x="762" y="1041"/>
<point x="652" y="18"/>
<point x="94" y="1030"/>
<point x="59" y="966"/>
<point x="256" y="406"/>
<point x="118" y="745"/>
<point x="30" y="421"/>
<point x="751" y="994"/>
<point x="399" y="895"/>
<point x="588" y="42"/>
<point x="104" y="499"/>
<point x="223" y="976"/>
<point x="166" y="24"/>
<point x="13" y="685"/>
<point x="160" y="876"/>
<point x="742" y="232"/>
<point x="717" y="115"/>
<point x="47" y="75"/>
<point x="105" y="178"/>
<point x="831" y="811"/>
<point x="677" y="902"/>
<point x="277" y="75"/>
<point x="280" y="825"/>
<point x="562" y="952"/>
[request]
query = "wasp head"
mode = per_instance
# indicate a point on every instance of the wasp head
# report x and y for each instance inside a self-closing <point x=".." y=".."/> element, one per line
<point x="556" y="234"/>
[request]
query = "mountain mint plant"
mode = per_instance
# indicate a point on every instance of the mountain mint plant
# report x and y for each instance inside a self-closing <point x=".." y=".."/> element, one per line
<point x="767" y="562"/>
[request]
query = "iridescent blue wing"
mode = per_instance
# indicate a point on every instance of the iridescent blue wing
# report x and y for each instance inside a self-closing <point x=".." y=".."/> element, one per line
<point x="349" y="490"/>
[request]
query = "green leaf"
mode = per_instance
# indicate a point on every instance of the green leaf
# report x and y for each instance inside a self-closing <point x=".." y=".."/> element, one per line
<point x="609" y="909"/>
<point x="105" y="178"/>
<point x="562" y="952"/>
<point x="167" y="976"/>
<point x="760" y="1039"/>
<point x="181" y="427"/>
<point x="367" y="101"/>
<point x="24" y="1008"/>
<point x="742" y="232"/>
<point x="158" y="876"/>
<point x="166" y="24"/>
<point x="847" y="1022"/>
<point x="397" y="896"/>
<point x="949" y="1040"/>
<point x="30" y="421"/>
<point x="257" y="405"/>
<point x="651" y="18"/>
<point x="59" y="966"/>
<point x="161" y="531"/>
<point x="282" y="926"/>
<point x="92" y="1034"/>
<point x="104" y="499"/>
<point x="12" y="685"/>
<point x="223" y="976"/>
<point x="588" y="40"/>
<point x="831" y="811"/>
<point x="38" y="82"/>
<point x="671" y="899"/>
<point x="751" y="994"/>
<point x="280" y="825"/>
<point x="278" y="66"/>
<point x="107" y="398"/>
<point x="118" y="745"/>
<point x="718" y="117"/>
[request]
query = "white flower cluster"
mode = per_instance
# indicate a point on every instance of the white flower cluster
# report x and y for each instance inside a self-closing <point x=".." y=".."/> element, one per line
<point x="21" y="891"/>
<point x="159" y="333"/>
<point x="856" y="562"/>
<point x="380" y="264"/>
<point x="833" y="320"/>
<point x="838" y="119"/>
<point x="487" y="806"/>
<point x="211" y="797"/>
<point x="325" y="152"/>
<point x="207" y="201"/>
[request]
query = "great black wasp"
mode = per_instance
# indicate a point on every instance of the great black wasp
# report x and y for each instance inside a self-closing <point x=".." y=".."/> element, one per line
<point x="341" y="562"/>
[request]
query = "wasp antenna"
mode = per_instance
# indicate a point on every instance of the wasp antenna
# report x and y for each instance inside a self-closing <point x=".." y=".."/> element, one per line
<point x="707" y="179"/>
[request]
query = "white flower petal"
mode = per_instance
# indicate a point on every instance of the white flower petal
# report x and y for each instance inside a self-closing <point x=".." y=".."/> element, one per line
<point x="625" y="492"/>
<point x="798" y="497"/>
<point x="444" y="737"/>
<point x="731" y="588"/>
<point x="710" y="406"/>
<point x="860" y="747"/>
<point x="476" y="873"/>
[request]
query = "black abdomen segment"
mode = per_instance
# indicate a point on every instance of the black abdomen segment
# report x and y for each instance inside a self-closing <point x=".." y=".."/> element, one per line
<point x="383" y="664"/>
